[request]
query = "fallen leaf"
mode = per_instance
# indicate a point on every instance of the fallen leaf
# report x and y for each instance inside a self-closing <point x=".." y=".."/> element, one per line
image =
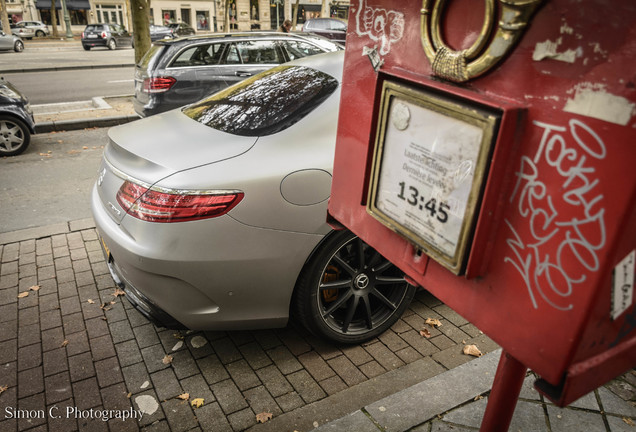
<point x="23" y="294"/>
<point x="178" y="336"/>
<point x="167" y="359"/>
<point x="425" y="333"/>
<point x="35" y="288"/>
<point x="64" y="343"/>
<point x="478" y="397"/>
<point x="85" y="147"/>
<point x="433" y="322"/>
<point x="91" y="301"/>
<point x="3" y="389"/>
<point x="118" y="292"/>
<point x="105" y="307"/>
<point x="625" y="419"/>
<point x="129" y="395"/>
<point x="472" y="350"/>
<point x="263" y="417"/>
<point x="197" y="403"/>
<point x="184" y="396"/>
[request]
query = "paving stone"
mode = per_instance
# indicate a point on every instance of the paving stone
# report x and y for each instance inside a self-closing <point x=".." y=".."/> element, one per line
<point x="408" y="355"/>
<point x="153" y="357"/>
<point x="96" y="327"/>
<point x="28" y="335"/>
<point x="47" y="287"/>
<point x="58" y="388"/>
<point x="242" y="420"/>
<point x="141" y="401"/>
<point x="8" y="313"/>
<point x="67" y="290"/>
<point x="243" y="375"/>
<point x="357" y="354"/>
<point x="289" y="402"/>
<point x="108" y="372"/>
<point x="86" y="394"/>
<point x="225" y="350"/>
<point x="146" y="335"/>
<point x="73" y="323"/>
<point x="116" y="398"/>
<point x="47" y="272"/>
<point x="316" y="366"/>
<point x="333" y="385"/>
<point x="241" y="337"/>
<point x="284" y="360"/>
<point x="9" y="399"/>
<point x="356" y="421"/>
<point x="64" y="275"/>
<point x="81" y="366"/>
<point x="197" y="387"/>
<point x="102" y="347"/>
<point x="50" y="319"/>
<point x="9" y="296"/>
<point x="8" y="330"/>
<point x="294" y="342"/>
<point x="136" y="319"/>
<point x="30" y="381"/>
<point x="77" y="343"/>
<point x="9" y="374"/>
<point x="92" y="425"/>
<point x="372" y="369"/>
<point x="211" y="418"/>
<point x="255" y="355"/>
<point x="58" y="422"/>
<point x="29" y="316"/>
<point x="87" y="292"/>
<point x="346" y="370"/>
<point x="228" y="396"/>
<point x="442" y="342"/>
<point x="33" y="405"/>
<point x="28" y="357"/>
<point x="419" y="343"/>
<point x="418" y="323"/>
<point x="384" y="356"/>
<point x="261" y="401"/>
<point x="274" y="380"/>
<point x="306" y="386"/>
<point x="566" y="420"/>
<point x="212" y="369"/>
<point x="121" y="331"/>
<point x="9" y="351"/>
<point x="267" y="339"/>
<point x="166" y="384"/>
<point x="48" y="302"/>
<point x="55" y="361"/>
<point x="179" y="414"/>
<point x="184" y="364"/>
<point x="137" y="378"/>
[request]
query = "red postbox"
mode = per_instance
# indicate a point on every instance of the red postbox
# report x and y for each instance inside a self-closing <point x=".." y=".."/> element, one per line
<point x="488" y="149"/>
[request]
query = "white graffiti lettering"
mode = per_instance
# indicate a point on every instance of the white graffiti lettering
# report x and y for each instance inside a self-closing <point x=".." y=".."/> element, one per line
<point x="565" y="222"/>
<point x="380" y="25"/>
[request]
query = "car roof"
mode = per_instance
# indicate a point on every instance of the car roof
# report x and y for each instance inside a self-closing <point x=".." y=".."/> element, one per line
<point x="238" y="36"/>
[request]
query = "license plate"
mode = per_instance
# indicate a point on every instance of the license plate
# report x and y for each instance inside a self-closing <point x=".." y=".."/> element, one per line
<point x="91" y="36"/>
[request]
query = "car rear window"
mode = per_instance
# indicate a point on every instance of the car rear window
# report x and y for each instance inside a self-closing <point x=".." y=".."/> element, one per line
<point x="153" y="52"/>
<point x="266" y="103"/>
<point x="94" y="28"/>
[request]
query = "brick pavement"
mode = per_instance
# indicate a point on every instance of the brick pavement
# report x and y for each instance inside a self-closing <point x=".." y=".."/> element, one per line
<point x="71" y="342"/>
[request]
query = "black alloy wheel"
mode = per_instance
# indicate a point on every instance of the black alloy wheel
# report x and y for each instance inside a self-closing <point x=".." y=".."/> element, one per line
<point x="348" y="292"/>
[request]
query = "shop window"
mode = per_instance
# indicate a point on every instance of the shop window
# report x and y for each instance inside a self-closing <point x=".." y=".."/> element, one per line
<point x="203" y="20"/>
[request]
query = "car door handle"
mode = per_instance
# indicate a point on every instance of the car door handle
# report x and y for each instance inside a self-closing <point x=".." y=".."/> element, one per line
<point x="242" y="73"/>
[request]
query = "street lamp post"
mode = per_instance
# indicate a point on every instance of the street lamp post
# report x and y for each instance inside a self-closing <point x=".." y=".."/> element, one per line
<point x="67" y="20"/>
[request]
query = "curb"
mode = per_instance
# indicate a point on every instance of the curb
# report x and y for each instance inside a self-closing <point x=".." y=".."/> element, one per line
<point x="46" y="231"/>
<point x="67" y="125"/>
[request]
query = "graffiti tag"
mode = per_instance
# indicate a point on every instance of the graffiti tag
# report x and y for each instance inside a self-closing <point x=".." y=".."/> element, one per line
<point x="381" y="26"/>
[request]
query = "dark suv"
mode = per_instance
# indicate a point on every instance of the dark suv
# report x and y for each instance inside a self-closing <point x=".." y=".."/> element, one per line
<point x="330" y="28"/>
<point x="105" y="35"/>
<point x="16" y="120"/>
<point x="177" y="72"/>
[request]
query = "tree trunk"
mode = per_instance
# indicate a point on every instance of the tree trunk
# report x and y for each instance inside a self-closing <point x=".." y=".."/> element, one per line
<point x="295" y="15"/>
<point x="54" y="20"/>
<point x="141" y="27"/>
<point x="324" y="12"/>
<point x="4" y="17"/>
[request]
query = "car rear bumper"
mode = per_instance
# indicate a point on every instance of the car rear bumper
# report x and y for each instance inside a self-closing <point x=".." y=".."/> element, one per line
<point x="95" y="42"/>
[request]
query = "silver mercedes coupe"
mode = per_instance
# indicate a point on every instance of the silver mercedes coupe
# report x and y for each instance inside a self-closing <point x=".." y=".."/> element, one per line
<point x="213" y="216"/>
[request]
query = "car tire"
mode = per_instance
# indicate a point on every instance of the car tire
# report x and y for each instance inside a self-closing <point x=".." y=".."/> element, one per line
<point x="18" y="46"/>
<point x="14" y="136"/>
<point x="111" y="44"/>
<point x="348" y="292"/>
<point x="86" y="48"/>
<point x="39" y="33"/>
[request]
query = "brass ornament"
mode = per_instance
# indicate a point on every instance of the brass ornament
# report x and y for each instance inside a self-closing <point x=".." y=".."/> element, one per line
<point x="461" y="66"/>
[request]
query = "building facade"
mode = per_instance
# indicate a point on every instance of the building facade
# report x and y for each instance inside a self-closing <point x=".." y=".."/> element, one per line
<point x="203" y="15"/>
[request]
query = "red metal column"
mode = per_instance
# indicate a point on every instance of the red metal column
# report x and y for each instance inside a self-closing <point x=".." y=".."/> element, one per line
<point x="504" y="394"/>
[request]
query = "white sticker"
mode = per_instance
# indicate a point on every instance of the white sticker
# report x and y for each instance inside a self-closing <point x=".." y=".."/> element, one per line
<point x="623" y="285"/>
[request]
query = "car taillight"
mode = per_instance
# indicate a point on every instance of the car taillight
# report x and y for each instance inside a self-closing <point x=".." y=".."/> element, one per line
<point x="104" y="35"/>
<point x="178" y="206"/>
<point x="158" y="84"/>
<point x="82" y="35"/>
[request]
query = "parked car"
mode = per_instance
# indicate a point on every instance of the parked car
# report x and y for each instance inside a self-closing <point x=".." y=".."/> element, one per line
<point x="158" y="32"/>
<point x="213" y="216"/>
<point x="109" y="35"/>
<point x="11" y="42"/>
<point x="176" y="72"/>
<point x="330" y="28"/>
<point x="181" y="29"/>
<point x="16" y="120"/>
<point x="30" y="29"/>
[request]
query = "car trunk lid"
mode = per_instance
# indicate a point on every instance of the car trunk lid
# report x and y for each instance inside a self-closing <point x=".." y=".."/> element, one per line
<point x="148" y="151"/>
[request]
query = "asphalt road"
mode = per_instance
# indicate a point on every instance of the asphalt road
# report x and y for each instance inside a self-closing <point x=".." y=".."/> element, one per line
<point x="50" y="183"/>
<point x="73" y="85"/>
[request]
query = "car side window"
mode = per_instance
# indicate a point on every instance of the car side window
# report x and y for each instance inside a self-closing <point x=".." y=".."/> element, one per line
<point x="199" y="55"/>
<point x="233" y="56"/>
<point x="259" y="52"/>
<point x="299" y="49"/>
<point x="337" y="25"/>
